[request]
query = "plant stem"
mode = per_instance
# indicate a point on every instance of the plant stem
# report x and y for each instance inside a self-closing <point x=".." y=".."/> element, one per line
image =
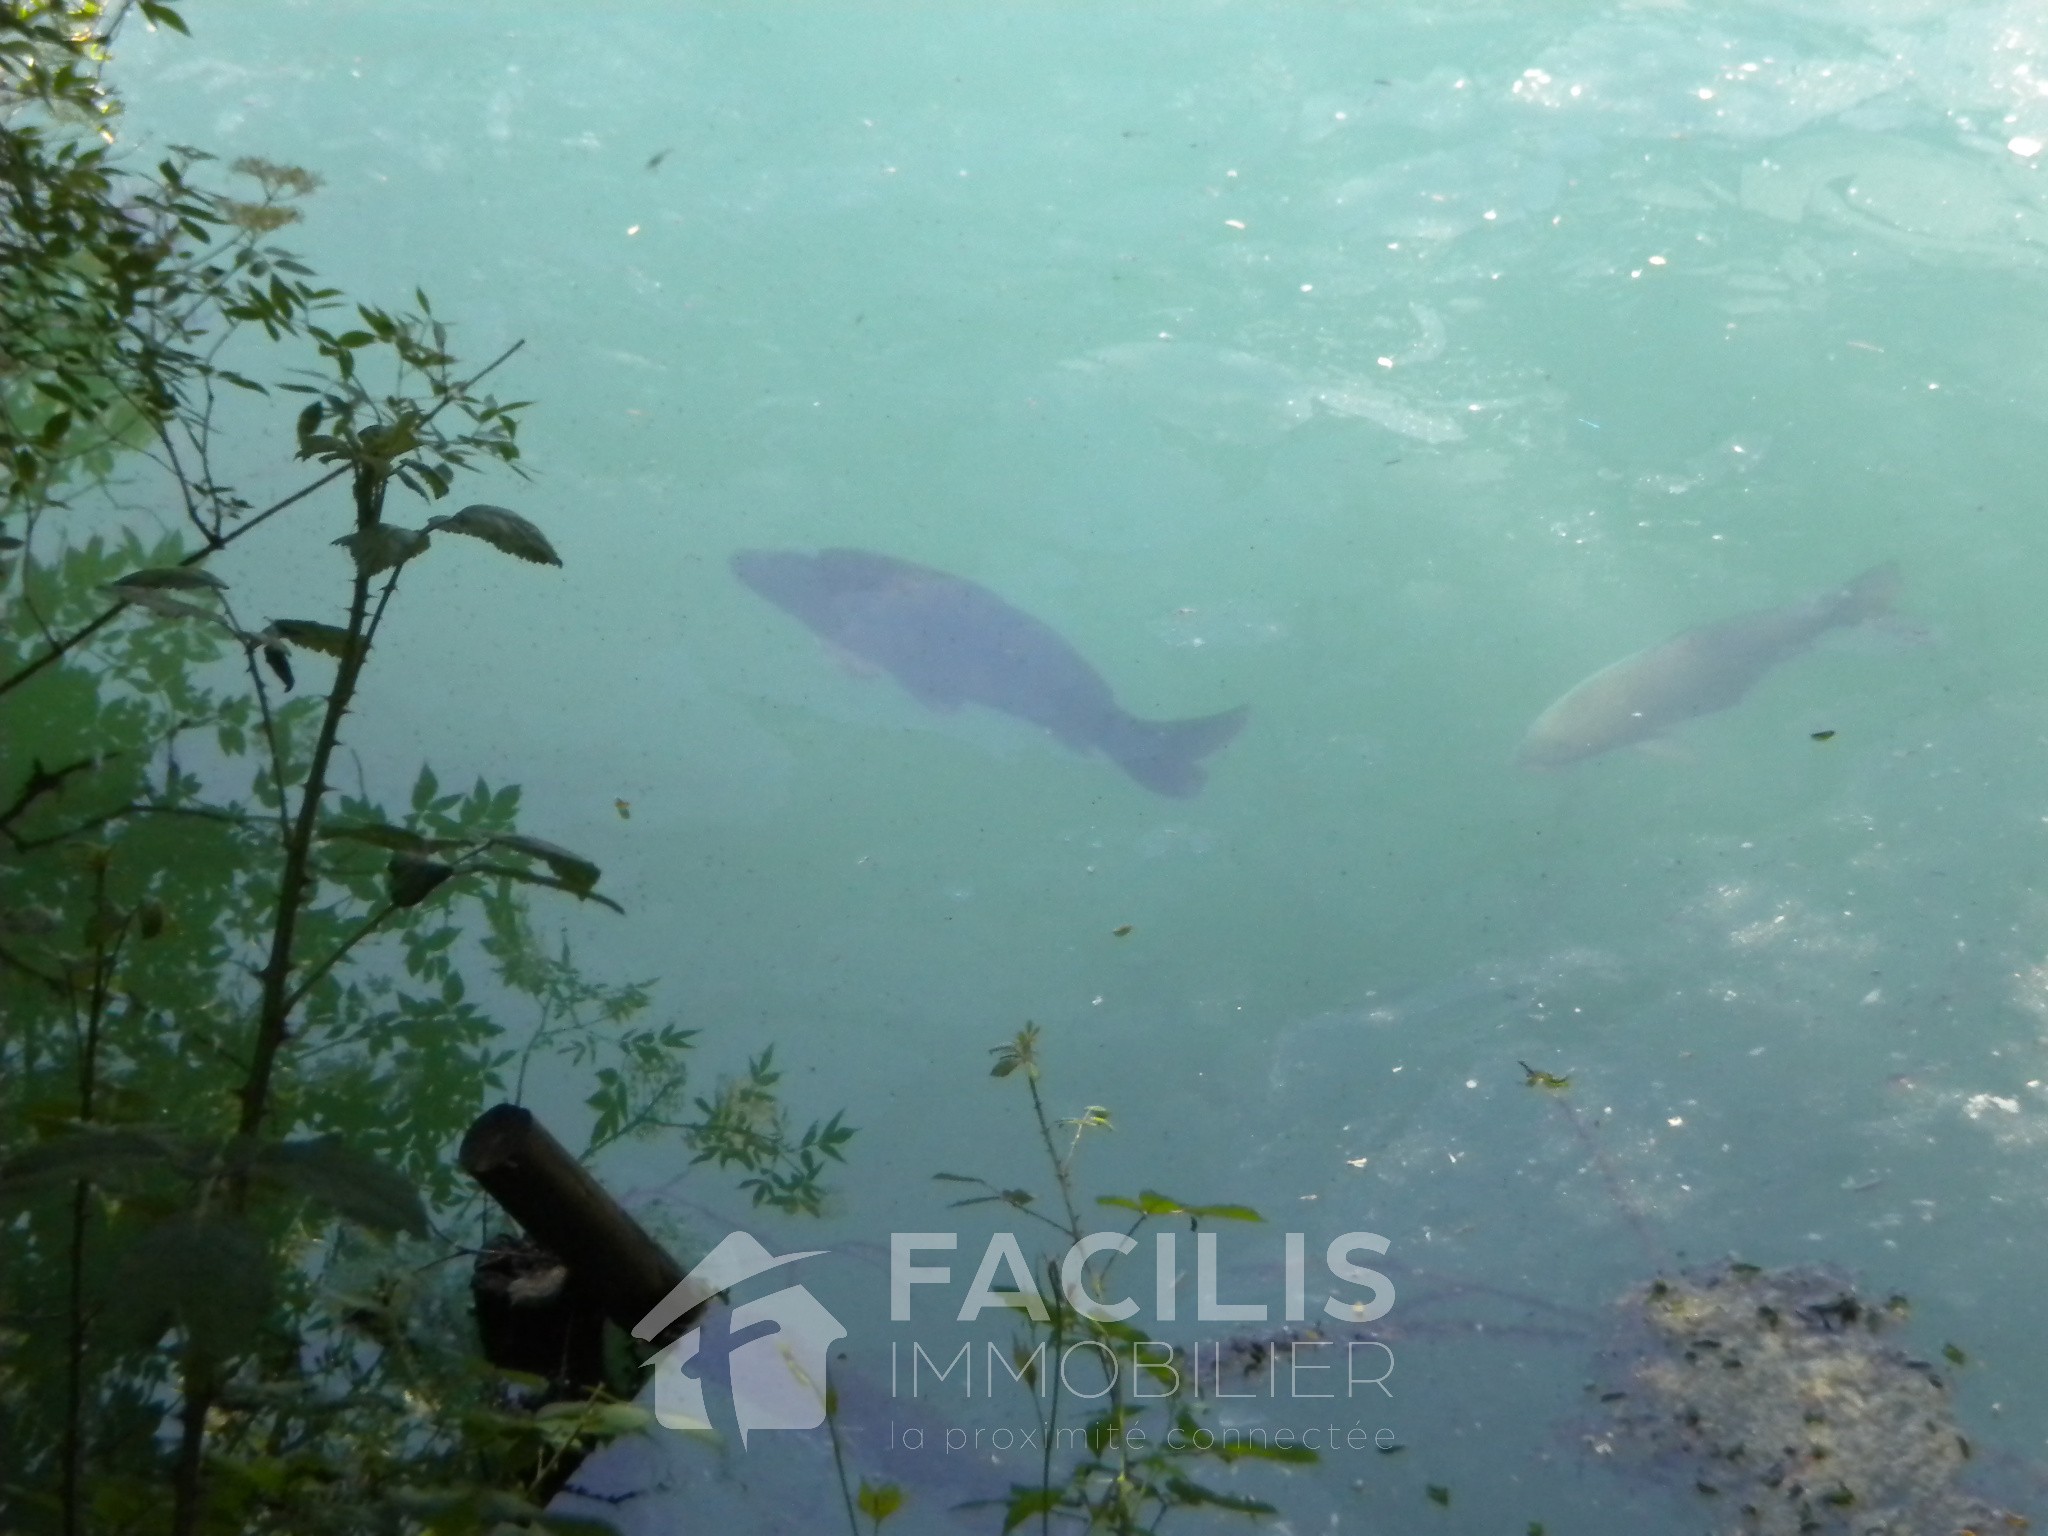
<point x="312" y="977"/>
<point x="274" y="1010"/>
<point x="105" y="956"/>
<point x="197" y="1392"/>
<point x="839" y="1466"/>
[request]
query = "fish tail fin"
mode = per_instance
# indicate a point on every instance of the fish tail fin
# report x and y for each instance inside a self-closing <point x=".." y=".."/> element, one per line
<point x="1166" y="755"/>
<point x="1869" y="596"/>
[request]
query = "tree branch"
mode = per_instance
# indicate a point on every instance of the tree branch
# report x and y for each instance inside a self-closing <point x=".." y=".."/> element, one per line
<point x="73" y="640"/>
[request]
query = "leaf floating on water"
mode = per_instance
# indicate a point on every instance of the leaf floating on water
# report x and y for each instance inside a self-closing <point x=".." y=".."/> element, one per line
<point x="1953" y="1355"/>
<point x="383" y="546"/>
<point x="878" y="1501"/>
<point x="624" y="808"/>
<point x="1121" y="933"/>
<point x="1538" y="1079"/>
<point x="501" y="529"/>
<point x="1823" y="735"/>
<point x="1438" y="1494"/>
<point x="1151" y="1203"/>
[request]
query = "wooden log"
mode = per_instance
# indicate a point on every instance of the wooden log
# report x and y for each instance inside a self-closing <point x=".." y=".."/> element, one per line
<point x="533" y="1316"/>
<point x="565" y="1210"/>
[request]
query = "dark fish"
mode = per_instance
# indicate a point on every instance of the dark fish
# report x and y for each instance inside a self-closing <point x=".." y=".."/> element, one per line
<point x="951" y="642"/>
<point x="1699" y="672"/>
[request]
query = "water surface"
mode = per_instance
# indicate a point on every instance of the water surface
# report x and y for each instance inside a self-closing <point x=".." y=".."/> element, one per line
<point x="1388" y="370"/>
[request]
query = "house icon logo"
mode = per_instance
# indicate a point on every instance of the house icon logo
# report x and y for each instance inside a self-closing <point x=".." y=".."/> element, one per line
<point x="778" y="1377"/>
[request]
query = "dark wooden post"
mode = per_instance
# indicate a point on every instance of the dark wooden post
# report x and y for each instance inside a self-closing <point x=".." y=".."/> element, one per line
<point x="565" y="1210"/>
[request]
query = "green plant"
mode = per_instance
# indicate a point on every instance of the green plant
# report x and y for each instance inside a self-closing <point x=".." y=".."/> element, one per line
<point x="1122" y="1479"/>
<point x="241" y="1030"/>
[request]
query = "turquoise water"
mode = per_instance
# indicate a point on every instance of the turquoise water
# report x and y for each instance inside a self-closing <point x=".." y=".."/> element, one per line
<point x="1388" y="372"/>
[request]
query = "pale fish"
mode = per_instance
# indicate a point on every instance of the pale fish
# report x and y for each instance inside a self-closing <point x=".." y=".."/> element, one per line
<point x="1699" y="672"/>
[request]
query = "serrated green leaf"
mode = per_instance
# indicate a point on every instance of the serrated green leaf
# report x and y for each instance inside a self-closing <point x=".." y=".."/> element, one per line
<point x="501" y="529"/>
<point x="352" y="1184"/>
<point x="1027" y="1501"/>
<point x="1151" y="1203"/>
<point x="327" y="639"/>
<point x="166" y="606"/>
<point x="380" y="834"/>
<point x="162" y="15"/>
<point x="207" y="1274"/>
<point x="92" y="1152"/>
<point x="1295" y="1455"/>
<point x="383" y="546"/>
<point x="170" y="578"/>
<point x="531" y="877"/>
<point x="1225" y="1212"/>
<point x="576" y="873"/>
<point x="1186" y="1492"/>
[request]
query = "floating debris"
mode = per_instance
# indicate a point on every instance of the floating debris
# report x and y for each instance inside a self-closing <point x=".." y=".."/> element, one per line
<point x="1538" y="1079"/>
<point x="1824" y="1430"/>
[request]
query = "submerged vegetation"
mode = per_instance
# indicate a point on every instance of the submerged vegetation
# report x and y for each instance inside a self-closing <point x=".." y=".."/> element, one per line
<point x="249" y="1006"/>
<point x="1778" y="1392"/>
